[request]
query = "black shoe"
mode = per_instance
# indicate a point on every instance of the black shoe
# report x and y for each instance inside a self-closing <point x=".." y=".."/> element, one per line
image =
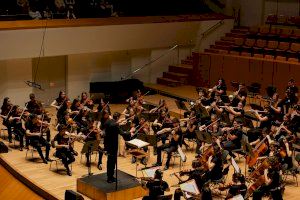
<point x="99" y="166"/>
<point x="166" y="168"/>
<point x="111" y="180"/>
<point x="69" y="173"/>
<point x="144" y="161"/>
<point x="10" y="141"/>
<point x="157" y="164"/>
<point x="49" y="159"/>
<point x="45" y="161"/>
<point x="133" y="160"/>
<point x="21" y="148"/>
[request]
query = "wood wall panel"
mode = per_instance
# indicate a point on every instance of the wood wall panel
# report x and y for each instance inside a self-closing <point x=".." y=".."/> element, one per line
<point x="249" y="70"/>
<point x="281" y="76"/>
<point x="202" y="71"/>
<point x="216" y="68"/>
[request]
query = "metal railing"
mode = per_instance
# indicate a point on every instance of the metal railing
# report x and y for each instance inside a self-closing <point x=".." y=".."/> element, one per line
<point x="150" y="62"/>
<point x="212" y="28"/>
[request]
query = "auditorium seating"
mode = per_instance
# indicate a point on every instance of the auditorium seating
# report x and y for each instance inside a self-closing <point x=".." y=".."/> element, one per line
<point x="265" y="40"/>
<point x="283" y="20"/>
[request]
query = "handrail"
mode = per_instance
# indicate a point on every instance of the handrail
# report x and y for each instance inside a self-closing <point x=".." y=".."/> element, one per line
<point x="150" y="62"/>
<point x="212" y="28"/>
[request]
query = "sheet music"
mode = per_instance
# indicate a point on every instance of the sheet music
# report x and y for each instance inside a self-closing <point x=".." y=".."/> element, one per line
<point x="237" y="197"/>
<point x="235" y="166"/>
<point x="138" y="143"/>
<point x="182" y="155"/>
<point x="190" y="186"/>
<point x="150" y="172"/>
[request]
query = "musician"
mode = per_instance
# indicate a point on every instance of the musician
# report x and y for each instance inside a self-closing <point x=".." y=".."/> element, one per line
<point x="75" y="108"/>
<point x="219" y="89"/>
<point x="172" y="146"/>
<point x="235" y="112"/>
<point x="286" y="153"/>
<point x="294" y="124"/>
<point x="162" y="106"/>
<point x="162" y="122"/>
<point x="63" y="149"/>
<point x="61" y="104"/>
<point x="265" y="119"/>
<point x="93" y="134"/>
<point x="190" y="132"/>
<point x="18" y="126"/>
<point x="272" y="184"/>
<point x="141" y="133"/>
<point x="239" y="96"/>
<point x="292" y="91"/>
<point x="237" y="187"/>
<point x="200" y="177"/>
<point x="6" y="112"/>
<point x="34" y="137"/>
<point x="112" y="131"/>
<point x="85" y="101"/>
<point x="34" y="106"/>
<point x="103" y="105"/>
<point x="156" y="186"/>
<point x="234" y="136"/>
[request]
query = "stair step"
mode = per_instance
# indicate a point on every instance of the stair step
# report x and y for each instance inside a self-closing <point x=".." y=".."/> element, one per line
<point x="238" y="30"/>
<point x="225" y="38"/>
<point x="211" y="50"/>
<point x="176" y="76"/>
<point x="186" y="61"/>
<point x="168" y="82"/>
<point x="236" y="35"/>
<point x="227" y="48"/>
<point x="224" y="43"/>
<point x="183" y="69"/>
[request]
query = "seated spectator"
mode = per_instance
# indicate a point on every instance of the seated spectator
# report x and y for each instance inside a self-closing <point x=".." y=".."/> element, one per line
<point x="60" y="6"/>
<point x="22" y="6"/>
<point x="107" y="9"/>
<point x="70" y="8"/>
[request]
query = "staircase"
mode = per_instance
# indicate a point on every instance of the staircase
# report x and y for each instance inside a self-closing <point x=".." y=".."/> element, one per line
<point x="177" y="75"/>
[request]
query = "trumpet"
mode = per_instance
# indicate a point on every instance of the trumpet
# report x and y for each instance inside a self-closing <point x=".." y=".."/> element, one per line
<point x="228" y="107"/>
<point x="259" y="111"/>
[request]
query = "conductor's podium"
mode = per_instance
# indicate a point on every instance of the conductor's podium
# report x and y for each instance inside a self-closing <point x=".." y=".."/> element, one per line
<point x="96" y="187"/>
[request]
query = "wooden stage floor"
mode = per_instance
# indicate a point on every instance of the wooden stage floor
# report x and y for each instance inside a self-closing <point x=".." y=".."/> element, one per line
<point x="57" y="182"/>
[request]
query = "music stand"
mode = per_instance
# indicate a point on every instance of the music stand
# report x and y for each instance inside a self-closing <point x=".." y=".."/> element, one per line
<point x="138" y="153"/>
<point x="88" y="148"/>
<point x="181" y="106"/>
<point x="204" y="136"/>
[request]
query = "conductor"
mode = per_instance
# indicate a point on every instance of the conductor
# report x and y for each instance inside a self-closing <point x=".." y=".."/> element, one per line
<point x="111" y="130"/>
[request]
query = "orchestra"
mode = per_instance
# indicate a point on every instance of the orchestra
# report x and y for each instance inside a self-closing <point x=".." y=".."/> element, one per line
<point x="263" y="135"/>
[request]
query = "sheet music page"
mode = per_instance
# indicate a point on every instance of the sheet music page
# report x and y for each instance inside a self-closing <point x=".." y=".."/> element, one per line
<point x="138" y="143"/>
<point x="237" y="197"/>
<point x="235" y="166"/>
<point x="191" y="187"/>
<point x="182" y="155"/>
<point x="151" y="171"/>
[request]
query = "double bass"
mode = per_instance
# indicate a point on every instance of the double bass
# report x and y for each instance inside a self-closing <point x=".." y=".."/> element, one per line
<point x="259" y="150"/>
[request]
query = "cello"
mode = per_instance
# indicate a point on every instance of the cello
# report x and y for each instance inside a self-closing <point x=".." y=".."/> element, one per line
<point x="259" y="150"/>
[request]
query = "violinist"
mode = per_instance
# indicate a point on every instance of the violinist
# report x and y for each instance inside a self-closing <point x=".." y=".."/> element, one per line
<point x="237" y="187"/>
<point x="34" y="106"/>
<point x="85" y="101"/>
<point x="199" y="175"/>
<point x="103" y="106"/>
<point x="93" y="134"/>
<point x="129" y="108"/>
<point x="6" y="112"/>
<point x="156" y="186"/>
<point x="172" y="146"/>
<point x="272" y="179"/>
<point x="61" y="104"/>
<point x="162" y="106"/>
<point x="191" y="126"/>
<point x="75" y="108"/>
<point x="141" y="132"/>
<point x="294" y="116"/>
<point x="63" y="149"/>
<point x="162" y="122"/>
<point x="18" y="125"/>
<point x="34" y="137"/>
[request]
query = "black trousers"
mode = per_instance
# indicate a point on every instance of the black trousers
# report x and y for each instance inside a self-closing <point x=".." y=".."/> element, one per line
<point x="169" y="149"/>
<point x="100" y="155"/>
<point x="38" y="142"/>
<point x="20" y="133"/>
<point x="111" y="163"/>
<point x="258" y="194"/>
<point x="66" y="156"/>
